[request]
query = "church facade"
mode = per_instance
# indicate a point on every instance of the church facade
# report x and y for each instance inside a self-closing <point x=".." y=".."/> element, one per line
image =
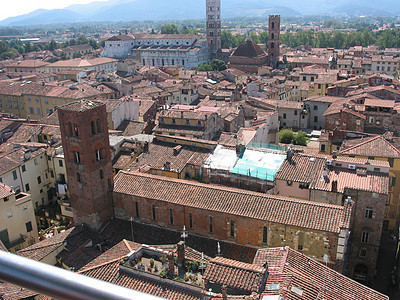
<point x="160" y="50"/>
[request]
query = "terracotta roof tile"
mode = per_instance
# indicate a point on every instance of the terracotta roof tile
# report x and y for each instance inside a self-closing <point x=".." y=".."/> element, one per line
<point x="260" y="206"/>
<point x="81" y="105"/>
<point x="5" y="191"/>
<point x="249" y="49"/>
<point x="234" y="274"/>
<point x="160" y="153"/>
<point x="376" y="146"/>
<point x="43" y="248"/>
<point x="120" y="250"/>
<point x="12" y="292"/>
<point x="288" y="268"/>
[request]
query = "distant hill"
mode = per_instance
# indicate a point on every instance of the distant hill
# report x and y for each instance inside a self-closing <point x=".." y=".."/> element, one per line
<point x="356" y="11"/>
<point x="131" y="10"/>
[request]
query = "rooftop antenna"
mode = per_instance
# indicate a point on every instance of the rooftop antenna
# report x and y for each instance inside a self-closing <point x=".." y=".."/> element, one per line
<point x="218" y="249"/>
<point x="184" y="234"/>
<point x="132" y="229"/>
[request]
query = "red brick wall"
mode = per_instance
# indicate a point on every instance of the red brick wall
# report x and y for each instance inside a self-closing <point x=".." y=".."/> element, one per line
<point x="247" y="231"/>
<point x="344" y="121"/>
<point x="361" y="223"/>
<point x="91" y="199"/>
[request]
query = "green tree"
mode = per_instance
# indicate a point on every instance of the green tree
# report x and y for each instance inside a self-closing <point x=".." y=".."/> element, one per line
<point x="4" y="47"/>
<point x="301" y="138"/>
<point x="218" y="65"/>
<point x="36" y="48"/>
<point x="286" y="136"/>
<point x="94" y="44"/>
<point x="169" y="29"/>
<point x="6" y="55"/>
<point x="63" y="56"/>
<point x="263" y="37"/>
<point x="27" y="47"/>
<point x="53" y="59"/>
<point x="185" y="30"/>
<point x="77" y="55"/>
<point x="228" y="40"/>
<point x="204" y="67"/>
<point x="81" y="40"/>
<point x="52" y="45"/>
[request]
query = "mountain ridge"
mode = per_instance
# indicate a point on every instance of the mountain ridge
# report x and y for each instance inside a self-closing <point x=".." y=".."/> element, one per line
<point x="139" y="10"/>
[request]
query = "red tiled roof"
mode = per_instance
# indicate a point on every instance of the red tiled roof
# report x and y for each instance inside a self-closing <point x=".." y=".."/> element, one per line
<point x="296" y="273"/>
<point x="249" y="49"/>
<point x="40" y="250"/>
<point x="371" y="146"/>
<point x="12" y="292"/>
<point x="155" y="288"/>
<point x="160" y="153"/>
<point x="112" y="255"/>
<point x="379" y="103"/>
<point x="81" y="63"/>
<point x="302" y="168"/>
<point x="5" y="191"/>
<point x="309" y="169"/>
<point x="29" y="63"/>
<point x="81" y="105"/>
<point x="284" y="210"/>
<point x="106" y="267"/>
<point x="371" y="181"/>
<point x="238" y="275"/>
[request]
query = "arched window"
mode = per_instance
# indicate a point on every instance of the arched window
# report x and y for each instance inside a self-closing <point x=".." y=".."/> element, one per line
<point x="98" y="126"/>
<point x="272" y="25"/>
<point x="69" y="129"/>
<point x="76" y="132"/>
<point x="272" y="35"/>
<point x="93" y="127"/>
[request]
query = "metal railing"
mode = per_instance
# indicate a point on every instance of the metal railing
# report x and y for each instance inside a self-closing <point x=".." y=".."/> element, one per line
<point x="60" y="283"/>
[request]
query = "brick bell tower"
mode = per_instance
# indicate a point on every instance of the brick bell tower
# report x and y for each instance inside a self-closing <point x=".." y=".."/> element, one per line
<point x="274" y="40"/>
<point x="213" y="8"/>
<point x="87" y="155"/>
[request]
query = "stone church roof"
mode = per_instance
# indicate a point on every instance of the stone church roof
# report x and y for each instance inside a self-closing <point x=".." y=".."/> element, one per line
<point x="249" y="49"/>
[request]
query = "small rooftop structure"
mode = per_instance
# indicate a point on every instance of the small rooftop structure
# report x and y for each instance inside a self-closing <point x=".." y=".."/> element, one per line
<point x="258" y="164"/>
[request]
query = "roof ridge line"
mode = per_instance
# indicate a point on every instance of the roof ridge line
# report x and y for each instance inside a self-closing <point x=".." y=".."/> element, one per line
<point x="101" y="265"/>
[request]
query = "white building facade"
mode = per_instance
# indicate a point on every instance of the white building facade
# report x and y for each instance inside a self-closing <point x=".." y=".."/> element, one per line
<point x="159" y="50"/>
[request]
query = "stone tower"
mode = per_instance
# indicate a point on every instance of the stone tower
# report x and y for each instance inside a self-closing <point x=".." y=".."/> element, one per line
<point x="213" y="8"/>
<point x="274" y="40"/>
<point x="86" y="145"/>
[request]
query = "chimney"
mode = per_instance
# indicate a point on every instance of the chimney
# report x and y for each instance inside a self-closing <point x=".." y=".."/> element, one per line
<point x="224" y="291"/>
<point x="177" y="149"/>
<point x="27" y="154"/>
<point x="181" y="253"/>
<point x="171" y="264"/>
<point x="334" y="185"/>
